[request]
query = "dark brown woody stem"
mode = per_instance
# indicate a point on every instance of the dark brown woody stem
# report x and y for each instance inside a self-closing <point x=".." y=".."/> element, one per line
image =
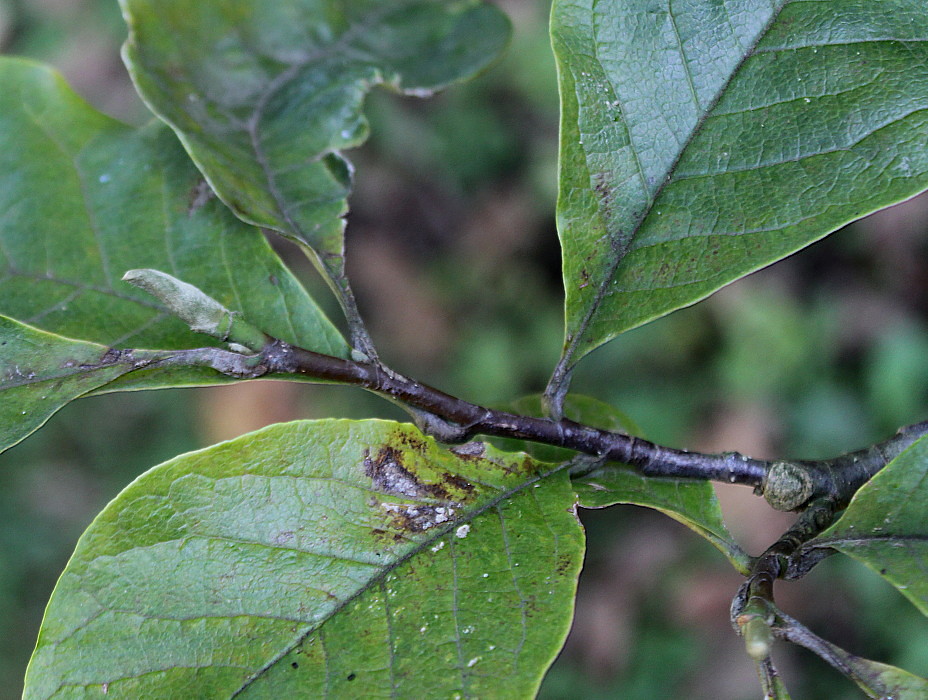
<point x="788" y="485"/>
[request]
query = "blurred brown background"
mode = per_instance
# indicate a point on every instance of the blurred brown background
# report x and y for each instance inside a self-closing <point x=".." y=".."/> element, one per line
<point x="456" y="264"/>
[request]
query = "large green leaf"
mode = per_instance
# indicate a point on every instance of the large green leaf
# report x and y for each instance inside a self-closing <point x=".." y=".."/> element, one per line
<point x="315" y="559"/>
<point x="702" y="140"/>
<point x="885" y="525"/>
<point x="266" y="95"/>
<point x="84" y="198"/>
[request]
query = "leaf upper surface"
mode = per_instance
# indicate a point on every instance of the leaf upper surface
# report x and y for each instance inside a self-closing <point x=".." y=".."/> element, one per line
<point x="319" y="559"/>
<point x="885" y="526"/>
<point x="84" y="198"/>
<point x="266" y="95"/>
<point x="701" y="141"/>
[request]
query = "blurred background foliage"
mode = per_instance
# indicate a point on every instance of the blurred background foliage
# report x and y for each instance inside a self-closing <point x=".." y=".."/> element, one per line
<point x="455" y="259"/>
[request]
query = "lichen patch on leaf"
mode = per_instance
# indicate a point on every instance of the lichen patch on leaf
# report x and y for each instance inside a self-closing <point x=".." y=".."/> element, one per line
<point x="418" y="518"/>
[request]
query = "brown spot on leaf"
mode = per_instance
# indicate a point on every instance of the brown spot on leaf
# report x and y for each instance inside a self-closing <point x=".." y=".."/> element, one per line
<point x="412" y="441"/>
<point x="584" y="278"/>
<point x="604" y="190"/>
<point x="390" y="475"/>
<point x="387" y="470"/>
<point x="110" y="357"/>
<point x="387" y="536"/>
<point x="565" y="563"/>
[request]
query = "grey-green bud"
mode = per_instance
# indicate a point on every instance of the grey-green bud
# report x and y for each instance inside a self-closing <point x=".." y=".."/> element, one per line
<point x="197" y="309"/>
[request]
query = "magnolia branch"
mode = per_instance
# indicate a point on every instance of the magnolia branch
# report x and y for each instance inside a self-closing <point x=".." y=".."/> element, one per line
<point x="786" y="484"/>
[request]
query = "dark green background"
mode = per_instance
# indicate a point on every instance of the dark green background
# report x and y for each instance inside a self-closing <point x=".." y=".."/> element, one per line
<point x="456" y="265"/>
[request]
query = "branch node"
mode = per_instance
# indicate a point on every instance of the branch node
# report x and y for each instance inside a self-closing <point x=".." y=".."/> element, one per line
<point x="788" y="486"/>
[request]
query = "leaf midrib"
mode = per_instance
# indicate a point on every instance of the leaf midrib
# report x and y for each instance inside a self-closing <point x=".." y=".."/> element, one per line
<point x="252" y="126"/>
<point x="380" y="577"/>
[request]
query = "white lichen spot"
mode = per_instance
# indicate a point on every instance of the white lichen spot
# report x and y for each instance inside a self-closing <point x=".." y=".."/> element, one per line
<point x="462" y="531"/>
<point x="438" y="546"/>
<point x="419" y="517"/>
<point x="104" y="178"/>
<point x="473" y="662"/>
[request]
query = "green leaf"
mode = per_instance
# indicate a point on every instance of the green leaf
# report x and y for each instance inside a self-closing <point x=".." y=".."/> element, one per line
<point x="884" y="681"/>
<point x="692" y="503"/>
<point x="885" y="525"/>
<point x="311" y="559"/>
<point x="84" y="198"/>
<point x="702" y="140"/>
<point x="879" y="681"/>
<point x="266" y="95"/>
<point x="40" y="372"/>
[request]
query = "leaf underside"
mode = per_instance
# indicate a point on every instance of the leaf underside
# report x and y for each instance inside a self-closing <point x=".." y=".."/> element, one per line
<point x="692" y="503"/>
<point x="84" y="198"/>
<point x="701" y="141"/>
<point x="40" y="372"/>
<point x="885" y="526"/>
<point x="265" y="96"/>
<point x="880" y="680"/>
<point x="318" y="559"/>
